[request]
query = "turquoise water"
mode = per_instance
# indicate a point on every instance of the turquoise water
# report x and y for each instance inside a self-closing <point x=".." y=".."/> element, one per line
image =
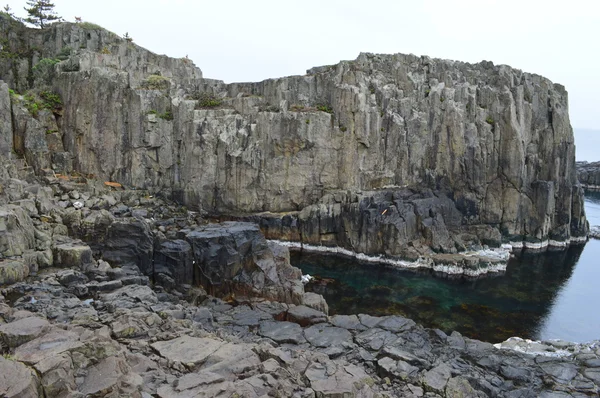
<point x="540" y="296"/>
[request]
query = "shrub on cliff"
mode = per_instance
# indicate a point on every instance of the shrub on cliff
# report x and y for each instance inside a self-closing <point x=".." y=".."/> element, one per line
<point x="156" y="82"/>
<point x="206" y="100"/>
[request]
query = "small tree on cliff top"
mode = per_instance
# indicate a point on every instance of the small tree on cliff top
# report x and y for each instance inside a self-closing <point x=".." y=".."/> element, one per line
<point x="41" y="13"/>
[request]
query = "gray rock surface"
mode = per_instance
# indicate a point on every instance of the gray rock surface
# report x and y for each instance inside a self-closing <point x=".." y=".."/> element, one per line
<point x="485" y="152"/>
<point x="478" y="153"/>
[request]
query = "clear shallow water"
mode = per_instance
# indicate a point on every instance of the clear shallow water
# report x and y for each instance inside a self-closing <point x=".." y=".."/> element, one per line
<point x="541" y="296"/>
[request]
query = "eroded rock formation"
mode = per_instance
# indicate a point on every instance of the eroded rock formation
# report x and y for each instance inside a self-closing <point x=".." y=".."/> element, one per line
<point x="490" y="145"/>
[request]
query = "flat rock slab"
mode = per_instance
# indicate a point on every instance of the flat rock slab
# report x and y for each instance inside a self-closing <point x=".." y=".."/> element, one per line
<point x="102" y="378"/>
<point x="23" y="330"/>
<point x="349" y="322"/>
<point x="231" y="359"/>
<point x="282" y="332"/>
<point x="322" y="335"/>
<point x="190" y="351"/>
<point x="305" y="316"/>
<point x="193" y="380"/>
<point x="562" y="372"/>
<point x="249" y="317"/>
<point x="17" y="380"/>
<point x="337" y="380"/>
<point x="50" y="344"/>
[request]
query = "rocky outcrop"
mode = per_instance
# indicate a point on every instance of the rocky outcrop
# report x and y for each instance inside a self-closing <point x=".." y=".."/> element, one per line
<point x="132" y="341"/>
<point x="494" y="141"/>
<point x="588" y="174"/>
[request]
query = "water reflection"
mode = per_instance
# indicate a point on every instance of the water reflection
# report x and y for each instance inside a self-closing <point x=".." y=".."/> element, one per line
<point x="491" y="308"/>
<point x="541" y="296"/>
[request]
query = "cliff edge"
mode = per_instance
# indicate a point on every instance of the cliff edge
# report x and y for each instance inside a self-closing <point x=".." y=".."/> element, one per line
<point x="386" y="154"/>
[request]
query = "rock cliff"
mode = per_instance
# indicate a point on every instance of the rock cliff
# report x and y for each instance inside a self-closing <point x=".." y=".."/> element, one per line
<point x="462" y="154"/>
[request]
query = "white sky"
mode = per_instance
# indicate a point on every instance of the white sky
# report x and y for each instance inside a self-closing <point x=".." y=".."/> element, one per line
<point x="252" y="40"/>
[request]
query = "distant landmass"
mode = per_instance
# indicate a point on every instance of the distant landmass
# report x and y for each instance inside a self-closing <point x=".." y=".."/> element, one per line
<point x="587" y="145"/>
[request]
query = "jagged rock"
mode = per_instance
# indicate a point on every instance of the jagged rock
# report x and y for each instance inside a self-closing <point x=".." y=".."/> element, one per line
<point x="376" y="121"/>
<point x="17" y="380"/>
<point x="315" y="301"/>
<point x="234" y="257"/>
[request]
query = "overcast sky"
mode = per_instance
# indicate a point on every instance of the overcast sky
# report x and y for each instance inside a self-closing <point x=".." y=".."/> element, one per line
<point x="243" y="40"/>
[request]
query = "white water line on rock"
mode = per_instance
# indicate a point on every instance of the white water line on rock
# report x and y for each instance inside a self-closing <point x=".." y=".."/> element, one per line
<point x="497" y="259"/>
<point x="548" y="243"/>
<point x="550" y="348"/>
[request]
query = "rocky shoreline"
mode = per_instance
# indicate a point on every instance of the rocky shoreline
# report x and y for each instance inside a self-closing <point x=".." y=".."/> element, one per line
<point x="114" y="292"/>
<point x="115" y="318"/>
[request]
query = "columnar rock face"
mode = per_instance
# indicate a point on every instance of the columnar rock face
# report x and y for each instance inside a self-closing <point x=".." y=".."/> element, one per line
<point x="493" y="140"/>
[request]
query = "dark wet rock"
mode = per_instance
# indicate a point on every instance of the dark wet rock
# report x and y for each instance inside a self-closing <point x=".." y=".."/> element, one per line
<point x="129" y="241"/>
<point x="175" y="259"/>
<point x="234" y="257"/>
<point x="282" y="332"/>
